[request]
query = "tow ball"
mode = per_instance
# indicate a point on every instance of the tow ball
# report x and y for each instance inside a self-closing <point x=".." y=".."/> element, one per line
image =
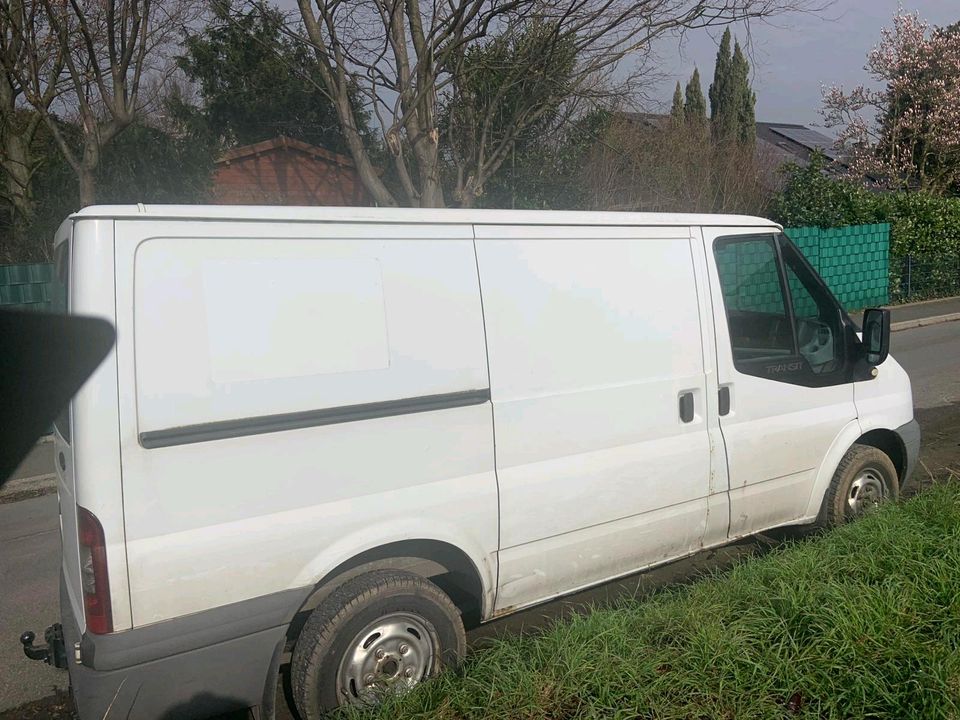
<point x="53" y="653"/>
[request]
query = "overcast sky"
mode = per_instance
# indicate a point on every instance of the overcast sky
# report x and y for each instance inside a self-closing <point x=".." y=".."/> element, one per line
<point x="794" y="55"/>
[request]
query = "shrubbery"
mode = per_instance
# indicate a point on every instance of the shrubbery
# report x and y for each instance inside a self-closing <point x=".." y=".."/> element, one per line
<point x="922" y="223"/>
<point x="924" y="226"/>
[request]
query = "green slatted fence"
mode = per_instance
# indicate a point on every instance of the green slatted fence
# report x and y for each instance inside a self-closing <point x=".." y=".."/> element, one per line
<point x="27" y="287"/>
<point x="854" y="261"/>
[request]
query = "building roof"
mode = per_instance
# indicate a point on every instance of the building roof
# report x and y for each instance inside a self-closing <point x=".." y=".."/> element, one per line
<point x="273" y="213"/>
<point x="789" y="141"/>
<point x="282" y="142"/>
<point x="797" y="140"/>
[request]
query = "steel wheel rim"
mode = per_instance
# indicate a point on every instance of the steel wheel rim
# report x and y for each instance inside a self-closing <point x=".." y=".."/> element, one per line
<point x="867" y="490"/>
<point x="389" y="656"/>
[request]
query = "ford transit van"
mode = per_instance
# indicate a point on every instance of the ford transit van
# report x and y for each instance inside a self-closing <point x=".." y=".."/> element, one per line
<point x="334" y="437"/>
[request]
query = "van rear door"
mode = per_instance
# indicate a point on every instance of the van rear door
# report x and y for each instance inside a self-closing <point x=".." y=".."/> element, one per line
<point x="63" y="440"/>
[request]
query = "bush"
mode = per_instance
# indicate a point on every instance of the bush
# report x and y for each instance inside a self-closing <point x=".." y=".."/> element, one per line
<point x="811" y="198"/>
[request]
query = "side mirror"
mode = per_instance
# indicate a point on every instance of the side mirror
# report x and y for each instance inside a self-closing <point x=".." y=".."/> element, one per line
<point x="876" y="335"/>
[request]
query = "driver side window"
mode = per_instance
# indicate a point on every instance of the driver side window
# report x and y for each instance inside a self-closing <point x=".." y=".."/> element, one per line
<point x="784" y="324"/>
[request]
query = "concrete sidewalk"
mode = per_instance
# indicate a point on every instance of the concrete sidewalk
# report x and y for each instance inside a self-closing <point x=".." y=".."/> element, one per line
<point x="919" y="314"/>
<point x="35" y="476"/>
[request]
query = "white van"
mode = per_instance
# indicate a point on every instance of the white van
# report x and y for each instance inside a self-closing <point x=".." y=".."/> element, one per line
<point x="333" y="437"/>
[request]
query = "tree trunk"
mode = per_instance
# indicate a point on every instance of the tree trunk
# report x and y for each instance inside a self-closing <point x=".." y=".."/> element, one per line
<point x="17" y="163"/>
<point x="361" y="159"/>
<point x="432" y="193"/>
<point x="88" y="186"/>
<point x="87" y="169"/>
<point x="17" y="166"/>
<point x="428" y="162"/>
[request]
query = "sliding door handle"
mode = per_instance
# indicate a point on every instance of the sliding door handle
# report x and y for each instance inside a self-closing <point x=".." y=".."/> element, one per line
<point x="724" y="400"/>
<point x="686" y="407"/>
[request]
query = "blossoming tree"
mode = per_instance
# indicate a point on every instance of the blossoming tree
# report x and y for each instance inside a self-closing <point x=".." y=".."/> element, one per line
<point x="913" y="138"/>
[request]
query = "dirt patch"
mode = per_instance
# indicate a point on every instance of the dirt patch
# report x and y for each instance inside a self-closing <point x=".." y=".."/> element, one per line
<point x="939" y="446"/>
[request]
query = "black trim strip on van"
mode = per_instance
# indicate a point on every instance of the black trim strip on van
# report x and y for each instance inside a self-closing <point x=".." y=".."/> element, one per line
<point x="224" y="429"/>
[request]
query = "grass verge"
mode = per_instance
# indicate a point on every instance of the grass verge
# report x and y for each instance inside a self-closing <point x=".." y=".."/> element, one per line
<point x="863" y="622"/>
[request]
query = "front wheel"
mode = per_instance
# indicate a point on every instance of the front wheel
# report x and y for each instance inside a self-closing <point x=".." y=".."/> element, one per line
<point x="380" y="633"/>
<point x="865" y="478"/>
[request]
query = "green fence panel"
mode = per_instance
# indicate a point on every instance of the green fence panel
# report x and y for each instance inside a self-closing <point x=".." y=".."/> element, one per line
<point x="749" y="276"/>
<point x="27" y="287"/>
<point x="807" y="239"/>
<point x="854" y="261"/>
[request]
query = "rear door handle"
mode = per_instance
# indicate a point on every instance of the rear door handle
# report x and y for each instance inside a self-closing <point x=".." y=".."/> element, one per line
<point x="686" y="407"/>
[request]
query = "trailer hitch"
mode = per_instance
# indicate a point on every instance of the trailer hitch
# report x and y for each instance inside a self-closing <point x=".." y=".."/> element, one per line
<point x="53" y="653"/>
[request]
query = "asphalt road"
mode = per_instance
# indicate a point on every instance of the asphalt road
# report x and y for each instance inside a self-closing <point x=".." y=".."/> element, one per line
<point x="931" y="356"/>
<point x="29" y="592"/>
<point x="30" y="543"/>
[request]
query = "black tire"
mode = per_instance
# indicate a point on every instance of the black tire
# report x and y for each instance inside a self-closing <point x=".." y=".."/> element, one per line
<point x="861" y="461"/>
<point x="335" y="627"/>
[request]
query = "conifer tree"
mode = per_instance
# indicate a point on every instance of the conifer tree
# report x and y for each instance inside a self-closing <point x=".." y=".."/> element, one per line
<point x="677" y="109"/>
<point x="695" y="108"/>
<point x="723" y="111"/>
<point x="732" y="101"/>
<point x="743" y="98"/>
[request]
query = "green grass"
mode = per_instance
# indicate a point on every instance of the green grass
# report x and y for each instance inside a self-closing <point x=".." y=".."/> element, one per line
<point x="863" y="622"/>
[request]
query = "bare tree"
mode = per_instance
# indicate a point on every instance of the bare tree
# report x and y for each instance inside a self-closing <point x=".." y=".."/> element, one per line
<point x="112" y="53"/>
<point x="18" y="125"/>
<point x="403" y="56"/>
<point x="647" y="163"/>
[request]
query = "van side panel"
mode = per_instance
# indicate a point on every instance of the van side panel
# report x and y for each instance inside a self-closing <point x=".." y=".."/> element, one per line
<point x="369" y="337"/>
<point x="593" y="335"/>
<point x="95" y="461"/>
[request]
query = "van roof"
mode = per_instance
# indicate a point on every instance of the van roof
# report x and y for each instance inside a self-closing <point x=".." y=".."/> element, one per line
<point x="287" y="213"/>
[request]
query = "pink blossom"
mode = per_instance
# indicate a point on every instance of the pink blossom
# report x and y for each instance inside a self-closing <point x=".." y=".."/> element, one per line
<point x="913" y="136"/>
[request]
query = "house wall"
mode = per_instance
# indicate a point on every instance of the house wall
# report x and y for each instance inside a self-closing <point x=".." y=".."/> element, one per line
<point x="286" y="176"/>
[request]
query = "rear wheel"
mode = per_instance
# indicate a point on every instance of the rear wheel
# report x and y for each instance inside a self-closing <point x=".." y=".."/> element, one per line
<point x="865" y="478"/>
<point x="380" y="633"/>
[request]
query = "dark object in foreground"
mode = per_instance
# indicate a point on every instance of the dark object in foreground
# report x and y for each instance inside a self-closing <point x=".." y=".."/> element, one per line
<point x="44" y="359"/>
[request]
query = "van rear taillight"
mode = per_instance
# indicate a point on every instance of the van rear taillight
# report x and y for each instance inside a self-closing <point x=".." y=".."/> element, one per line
<point x="93" y="573"/>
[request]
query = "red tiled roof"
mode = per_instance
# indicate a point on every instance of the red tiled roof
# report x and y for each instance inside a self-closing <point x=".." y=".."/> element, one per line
<point x="284" y="142"/>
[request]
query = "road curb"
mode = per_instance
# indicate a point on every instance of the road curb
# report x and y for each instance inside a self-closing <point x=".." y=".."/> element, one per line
<point x="923" y="322"/>
<point x="23" y="488"/>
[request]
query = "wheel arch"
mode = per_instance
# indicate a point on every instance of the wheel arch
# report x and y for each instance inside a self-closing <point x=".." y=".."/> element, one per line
<point x="891" y="444"/>
<point x="884" y="439"/>
<point x="443" y="563"/>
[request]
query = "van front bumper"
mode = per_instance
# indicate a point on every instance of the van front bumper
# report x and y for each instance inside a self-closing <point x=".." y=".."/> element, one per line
<point x="201" y="665"/>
